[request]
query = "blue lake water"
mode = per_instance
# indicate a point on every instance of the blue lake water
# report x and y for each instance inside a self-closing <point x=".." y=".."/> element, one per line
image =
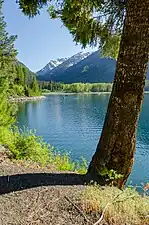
<point x="74" y="123"/>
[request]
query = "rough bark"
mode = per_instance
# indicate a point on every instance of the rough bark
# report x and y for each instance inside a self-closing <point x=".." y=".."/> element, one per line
<point x="116" y="148"/>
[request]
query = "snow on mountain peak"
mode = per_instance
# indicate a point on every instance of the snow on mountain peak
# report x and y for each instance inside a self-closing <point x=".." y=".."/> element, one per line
<point x="51" y="65"/>
<point x="64" y="63"/>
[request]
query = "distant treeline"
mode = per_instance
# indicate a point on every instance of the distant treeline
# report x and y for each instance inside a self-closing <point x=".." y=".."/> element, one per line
<point x="79" y="87"/>
<point x="75" y="87"/>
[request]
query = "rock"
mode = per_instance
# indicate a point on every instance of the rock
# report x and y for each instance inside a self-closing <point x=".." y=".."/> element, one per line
<point x="22" y="99"/>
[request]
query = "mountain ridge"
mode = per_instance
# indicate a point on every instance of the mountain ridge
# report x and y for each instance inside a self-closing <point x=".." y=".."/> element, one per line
<point x="84" y="68"/>
<point x="51" y="65"/>
<point x="63" y="65"/>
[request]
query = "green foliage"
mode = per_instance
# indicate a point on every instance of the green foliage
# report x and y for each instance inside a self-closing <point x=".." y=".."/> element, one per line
<point x="25" y="82"/>
<point x="7" y="51"/>
<point x="81" y="166"/>
<point x="25" y="145"/>
<point x="7" y="111"/>
<point x="76" y="87"/>
<point x="31" y="7"/>
<point x="111" y="48"/>
<point x="93" y="22"/>
<point x="90" y="22"/>
<point x="27" y="91"/>
<point x="63" y="162"/>
<point x="34" y="86"/>
<point x="7" y="58"/>
<point x="110" y="175"/>
<point x="52" y="86"/>
<point x="17" y="75"/>
<point x="30" y="147"/>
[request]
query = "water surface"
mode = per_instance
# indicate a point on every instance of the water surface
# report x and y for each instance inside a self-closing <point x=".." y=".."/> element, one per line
<point x="74" y="123"/>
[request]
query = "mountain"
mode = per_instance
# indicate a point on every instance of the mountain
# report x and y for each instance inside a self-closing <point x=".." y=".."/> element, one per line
<point x="27" y="72"/>
<point x="59" y="66"/>
<point x="92" y="69"/>
<point x="83" y="67"/>
<point x="50" y="66"/>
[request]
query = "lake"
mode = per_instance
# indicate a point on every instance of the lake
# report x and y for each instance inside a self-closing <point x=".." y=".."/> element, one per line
<point x="73" y="123"/>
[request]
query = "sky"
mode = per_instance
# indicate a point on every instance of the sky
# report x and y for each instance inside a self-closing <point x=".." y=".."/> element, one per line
<point x="39" y="39"/>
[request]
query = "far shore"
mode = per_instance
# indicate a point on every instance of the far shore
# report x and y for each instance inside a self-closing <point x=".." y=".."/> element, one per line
<point x="74" y="93"/>
<point x="23" y="99"/>
<point x="35" y="98"/>
<point x="81" y="93"/>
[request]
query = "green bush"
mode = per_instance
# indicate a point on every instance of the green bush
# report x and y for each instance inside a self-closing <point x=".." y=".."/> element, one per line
<point x="63" y="162"/>
<point x="25" y="145"/>
<point x="30" y="147"/>
<point x="81" y="166"/>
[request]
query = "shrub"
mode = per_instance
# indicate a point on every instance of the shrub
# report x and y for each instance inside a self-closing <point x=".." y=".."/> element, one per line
<point x="25" y="145"/>
<point x="62" y="161"/>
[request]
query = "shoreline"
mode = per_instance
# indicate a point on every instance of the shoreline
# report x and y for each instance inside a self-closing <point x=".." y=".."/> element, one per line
<point x="82" y="93"/>
<point x="43" y="96"/>
<point x="24" y="99"/>
<point x="75" y="93"/>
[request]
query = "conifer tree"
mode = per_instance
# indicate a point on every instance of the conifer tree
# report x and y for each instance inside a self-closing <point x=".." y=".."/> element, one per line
<point x="7" y="56"/>
<point x="34" y="86"/>
<point x="20" y="75"/>
<point x="7" y="50"/>
<point x="7" y="110"/>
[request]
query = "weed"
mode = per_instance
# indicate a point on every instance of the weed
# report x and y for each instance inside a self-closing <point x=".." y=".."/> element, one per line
<point x="128" y="208"/>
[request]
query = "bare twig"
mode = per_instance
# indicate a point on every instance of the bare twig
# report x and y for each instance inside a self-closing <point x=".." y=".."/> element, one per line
<point x="110" y="202"/>
<point x="103" y="212"/>
<point x="78" y="209"/>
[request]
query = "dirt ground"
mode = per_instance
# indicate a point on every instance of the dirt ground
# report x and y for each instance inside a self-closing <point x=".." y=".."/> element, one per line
<point x="32" y="195"/>
<point x="40" y="196"/>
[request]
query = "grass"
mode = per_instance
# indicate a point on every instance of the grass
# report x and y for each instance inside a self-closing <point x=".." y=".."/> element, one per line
<point x="25" y="145"/>
<point x="124" y="206"/>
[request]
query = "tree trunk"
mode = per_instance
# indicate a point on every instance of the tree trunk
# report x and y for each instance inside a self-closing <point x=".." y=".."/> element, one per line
<point x="116" y="148"/>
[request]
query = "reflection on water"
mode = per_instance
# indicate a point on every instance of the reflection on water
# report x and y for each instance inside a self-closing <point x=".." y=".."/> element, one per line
<point x="74" y="124"/>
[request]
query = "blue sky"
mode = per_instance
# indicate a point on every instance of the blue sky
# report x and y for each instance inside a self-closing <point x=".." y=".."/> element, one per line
<point x="39" y="39"/>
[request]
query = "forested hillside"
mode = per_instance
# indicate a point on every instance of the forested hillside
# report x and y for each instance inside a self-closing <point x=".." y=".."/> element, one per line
<point x="14" y="76"/>
<point x="25" y="82"/>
